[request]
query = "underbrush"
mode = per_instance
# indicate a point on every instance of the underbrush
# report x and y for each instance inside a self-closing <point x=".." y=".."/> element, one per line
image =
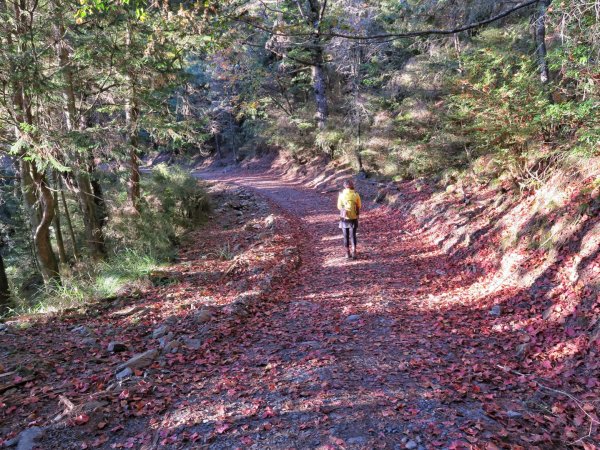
<point x="172" y="203"/>
<point x="469" y="108"/>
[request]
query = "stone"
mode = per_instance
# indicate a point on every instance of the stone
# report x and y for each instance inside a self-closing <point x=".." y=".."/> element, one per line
<point x="496" y="311"/>
<point x="159" y="332"/>
<point x="82" y="329"/>
<point x="548" y="312"/>
<point x="164" y="340"/>
<point x="28" y="437"/>
<point x="381" y="195"/>
<point x="131" y="311"/>
<point x="140" y="360"/>
<point x="246" y="299"/>
<point x="89" y="341"/>
<point x="115" y="347"/>
<point x="440" y="272"/>
<point x="192" y="343"/>
<point x="125" y="373"/>
<point x="203" y="315"/>
<point x="513" y="414"/>
<point x="523" y="350"/>
<point x="3" y="328"/>
<point x="171" y="346"/>
<point x="270" y="221"/>
<point x="411" y="445"/>
<point x="353" y="318"/>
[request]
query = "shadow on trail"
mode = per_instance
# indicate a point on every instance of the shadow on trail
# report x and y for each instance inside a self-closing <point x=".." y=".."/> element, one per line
<point x="369" y="353"/>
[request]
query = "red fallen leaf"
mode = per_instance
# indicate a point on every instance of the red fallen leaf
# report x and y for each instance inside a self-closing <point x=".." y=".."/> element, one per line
<point x="117" y="428"/>
<point x="194" y="436"/>
<point x="222" y="427"/>
<point x="81" y="419"/>
<point x="268" y="413"/>
<point x="10" y="409"/>
<point x="101" y="425"/>
<point x="546" y="364"/>
<point x="247" y="440"/>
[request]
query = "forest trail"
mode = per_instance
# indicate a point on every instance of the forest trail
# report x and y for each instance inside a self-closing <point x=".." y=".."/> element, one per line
<point x="263" y="335"/>
<point x="354" y="353"/>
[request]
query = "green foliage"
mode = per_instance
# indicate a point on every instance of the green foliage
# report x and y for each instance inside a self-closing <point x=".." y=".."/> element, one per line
<point x="173" y="202"/>
<point x="328" y="141"/>
<point x="128" y="267"/>
<point x="127" y="270"/>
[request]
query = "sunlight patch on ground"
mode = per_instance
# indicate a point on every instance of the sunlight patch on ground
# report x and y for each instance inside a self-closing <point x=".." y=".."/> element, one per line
<point x="564" y="350"/>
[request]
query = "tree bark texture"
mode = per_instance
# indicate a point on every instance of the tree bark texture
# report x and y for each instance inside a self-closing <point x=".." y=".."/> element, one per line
<point x="39" y="204"/>
<point x="62" y="254"/>
<point x="319" y="82"/>
<point x="540" y="40"/>
<point x="94" y="236"/>
<point x="320" y="89"/>
<point x="4" y="289"/>
<point x="69" y="222"/>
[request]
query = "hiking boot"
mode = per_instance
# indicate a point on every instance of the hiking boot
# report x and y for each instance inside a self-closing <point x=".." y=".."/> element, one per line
<point x="353" y="252"/>
<point x="348" y="255"/>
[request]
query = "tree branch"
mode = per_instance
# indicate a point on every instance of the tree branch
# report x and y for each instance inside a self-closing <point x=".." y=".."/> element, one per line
<point x="394" y="36"/>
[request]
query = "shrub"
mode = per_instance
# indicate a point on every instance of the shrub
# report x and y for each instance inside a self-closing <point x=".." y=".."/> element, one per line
<point x="173" y="202"/>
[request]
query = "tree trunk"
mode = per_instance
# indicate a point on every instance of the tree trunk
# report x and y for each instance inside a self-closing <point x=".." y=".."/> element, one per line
<point x="62" y="254"/>
<point x="357" y="104"/>
<point x="4" y="289"/>
<point x="319" y="83"/>
<point x="83" y="186"/>
<point x="232" y="136"/>
<point x="101" y="211"/>
<point x="94" y="237"/>
<point x="218" y="146"/>
<point x="458" y="51"/>
<point x="320" y="89"/>
<point x="540" y="40"/>
<point x="134" y="177"/>
<point x="39" y="204"/>
<point x="69" y="222"/>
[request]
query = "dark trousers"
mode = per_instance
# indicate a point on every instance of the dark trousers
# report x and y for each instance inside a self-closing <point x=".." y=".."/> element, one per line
<point x="349" y="230"/>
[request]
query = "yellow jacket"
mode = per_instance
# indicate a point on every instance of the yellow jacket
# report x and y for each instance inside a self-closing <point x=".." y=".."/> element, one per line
<point x="349" y="204"/>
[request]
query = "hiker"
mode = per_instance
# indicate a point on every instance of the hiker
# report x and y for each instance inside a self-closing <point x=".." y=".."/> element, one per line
<point x="349" y="205"/>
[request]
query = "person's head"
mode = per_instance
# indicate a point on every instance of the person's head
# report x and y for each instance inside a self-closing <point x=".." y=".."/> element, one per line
<point x="348" y="184"/>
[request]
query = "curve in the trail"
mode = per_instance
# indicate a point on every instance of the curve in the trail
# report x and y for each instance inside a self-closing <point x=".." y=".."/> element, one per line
<point x="347" y="357"/>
